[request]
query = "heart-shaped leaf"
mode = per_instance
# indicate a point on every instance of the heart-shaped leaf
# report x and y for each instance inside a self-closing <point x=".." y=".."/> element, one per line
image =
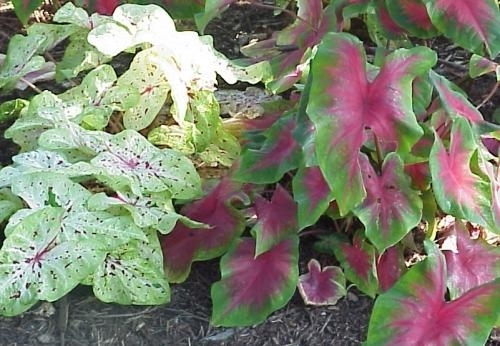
<point x="322" y="286"/>
<point x="236" y="299"/>
<point x="415" y="309"/>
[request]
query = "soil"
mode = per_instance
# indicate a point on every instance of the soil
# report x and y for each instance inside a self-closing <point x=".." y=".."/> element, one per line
<point x="80" y="319"/>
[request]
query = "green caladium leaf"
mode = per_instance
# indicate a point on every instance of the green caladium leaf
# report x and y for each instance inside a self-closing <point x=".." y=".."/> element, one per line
<point x="415" y="309"/>
<point x="457" y="189"/>
<point x="35" y="265"/>
<point x="274" y="272"/>
<point x="9" y="204"/>
<point x="133" y="274"/>
<point x="131" y="162"/>
<point x="24" y="8"/>
<point x="391" y="208"/>
<point x="344" y="124"/>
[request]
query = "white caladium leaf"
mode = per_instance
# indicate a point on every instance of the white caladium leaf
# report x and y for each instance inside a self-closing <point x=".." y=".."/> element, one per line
<point x="34" y="265"/>
<point x="133" y="274"/>
<point x="131" y="162"/>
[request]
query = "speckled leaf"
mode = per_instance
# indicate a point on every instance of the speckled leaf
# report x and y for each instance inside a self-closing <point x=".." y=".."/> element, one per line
<point x="9" y="204"/>
<point x="357" y="260"/>
<point x="276" y="220"/>
<point x="474" y="263"/>
<point x="185" y="245"/>
<point x="236" y="299"/>
<point x="416" y="304"/>
<point x="312" y="194"/>
<point x="133" y="274"/>
<point x="454" y="100"/>
<point x="473" y="24"/>
<point x="153" y="88"/>
<point x="458" y="191"/>
<point x="35" y="265"/>
<point x="322" y="286"/>
<point x="391" y="208"/>
<point x="343" y="123"/>
<point x="276" y="154"/>
<point x="132" y="162"/>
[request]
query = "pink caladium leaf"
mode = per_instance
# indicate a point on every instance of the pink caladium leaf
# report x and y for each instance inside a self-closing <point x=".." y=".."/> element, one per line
<point x="412" y="16"/>
<point x="391" y="208"/>
<point x="454" y="100"/>
<point x="390" y="267"/>
<point x="357" y="260"/>
<point x="252" y="287"/>
<point x="322" y="286"/>
<point x="388" y="25"/>
<point x="185" y="245"/>
<point x="345" y="105"/>
<point x="277" y="219"/>
<point x="473" y="24"/>
<point x="415" y="309"/>
<point x="277" y="153"/>
<point x="460" y="192"/>
<point x="312" y="194"/>
<point x="479" y="65"/>
<point x="474" y="263"/>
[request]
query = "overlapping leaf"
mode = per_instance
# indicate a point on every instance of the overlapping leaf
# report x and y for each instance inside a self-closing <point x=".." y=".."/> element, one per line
<point x="412" y="16"/>
<point x="322" y="286"/>
<point x="415" y="309"/>
<point x="391" y="208"/>
<point x="251" y="287"/>
<point x="345" y="102"/>
<point x="390" y="267"/>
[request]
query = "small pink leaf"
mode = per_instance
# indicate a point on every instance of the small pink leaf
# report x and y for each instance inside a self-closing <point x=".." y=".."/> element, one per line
<point x="322" y="286"/>
<point x="312" y="193"/>
<point x="471" y="23"/>
<point x="390" y="267"/>
<point x="252" y="286"/>
<point x="185" y="245"/>
<point x="277" y="220"/>
<point x="391" y="208"/>
<point x="458" y="191"/>
<point x="345" y="105"/>
<point x="474" y="263"/>
<point x="414" y="309"/>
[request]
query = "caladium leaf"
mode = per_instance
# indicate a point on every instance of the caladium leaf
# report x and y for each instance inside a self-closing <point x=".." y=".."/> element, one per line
<point x="479" y="65"/>
<point x="276" y="220"/>
<point x="133" y="274"/>
<point x="390" y="267"/>
<point x="130" y="161"/>
<point x="24" y="9"/>
<point x="9" y="204"/>
<point x="252" y="287"/>
<point x="412" y="16"/>
<point x="35" y="265"/>
<point x="470" y="23"/>
<point x="391" y="208"/>
<point x="213" y="8"/>
<point x="474" y="263"/>
<point x="276" y="155"/>
<point x="415" y="309"/>
<point x="185" y="245"/>
<point x="357" y="260"/>
<point x="458" y="191"/>
<point x="322" y="286"/>
<point x="312" y="194"/>
<point x="342" y="121"/>
<point x="453" y="99"/>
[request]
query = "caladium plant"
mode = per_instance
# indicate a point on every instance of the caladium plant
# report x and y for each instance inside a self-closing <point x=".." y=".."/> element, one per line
<point x="379" y="138"/>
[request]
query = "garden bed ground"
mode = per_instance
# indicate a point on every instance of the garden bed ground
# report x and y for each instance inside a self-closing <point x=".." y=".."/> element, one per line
<point x="80" y="319"/>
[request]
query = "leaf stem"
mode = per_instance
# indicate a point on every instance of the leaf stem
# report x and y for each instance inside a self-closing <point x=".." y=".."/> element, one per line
<point x="31" y="85"/>
<point x="490" y="95"/>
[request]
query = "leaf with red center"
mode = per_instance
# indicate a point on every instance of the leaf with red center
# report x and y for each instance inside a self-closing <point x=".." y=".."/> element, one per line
<point x="344" y="103"/>
<point x="357" y="260"/>
<point x="389" y="26"/>
<point x="390" y="267"/>
<point x="479" y="65"/>
<point x="415" y="310"/>
<point x="453" y="99"/>
<point x="252" y="287"/>
<point x="278" y="153"/>
<point x="412" y="16"/>
<point x="277" y="219"/>
<point x="185" y="245"/>
<point x="322" y="286"/>
<point x="458" y="191"/>
<point x="391" y="208"/>
<point x="474" y="263"/>
<point x="470" y="23"/>
<point x="312" y="194"/>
